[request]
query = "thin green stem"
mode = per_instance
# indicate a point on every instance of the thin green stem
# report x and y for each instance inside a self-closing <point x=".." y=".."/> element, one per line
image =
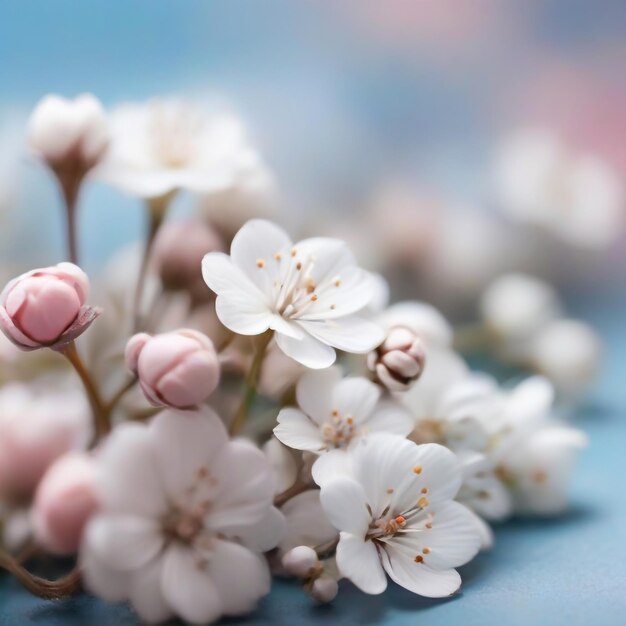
<point x="252" y="380"/>
<point x="100" y="413"/>
<point x="156" y="211"/>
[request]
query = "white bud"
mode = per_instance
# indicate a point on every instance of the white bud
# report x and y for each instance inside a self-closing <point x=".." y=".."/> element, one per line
<point x="399" y="361"/>
<point x="324" y="589"/>
<point x="568" y="352"/>
<point x="69" y="133"/>
<point x="301" y="561"/>
<point x="516" y="305"/>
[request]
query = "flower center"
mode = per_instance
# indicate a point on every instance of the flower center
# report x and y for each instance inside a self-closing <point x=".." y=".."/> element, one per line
<point x="184" y="526"/>
<point x="174" y="129"/>
<point x="339" y="431"/>
<point x="295" y="290"/>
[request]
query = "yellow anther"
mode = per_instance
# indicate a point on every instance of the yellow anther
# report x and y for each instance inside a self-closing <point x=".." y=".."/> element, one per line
<point x="337" y="282"/>
<point x="350" y="420"/>
<point x="417" y="469"/>
<point x="260" y="263"/>
<point x="313" y="298"/>
<point x="426" y="550"/>
<point x="424" y="490"/>
<point x="422" y="502"/>
<point x="390" y="490"/>
<point x="298" y="266"/>
<point x="333" y="307"/>
<point x="428" y="525"/>
<point x="278" y="256"/>
<point x="400" y="520"/>
<point x="294" y="251"/>
<point x="419" y="558"/>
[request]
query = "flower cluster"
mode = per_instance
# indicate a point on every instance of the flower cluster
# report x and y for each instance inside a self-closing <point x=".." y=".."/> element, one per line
<point x="374" y="454"/>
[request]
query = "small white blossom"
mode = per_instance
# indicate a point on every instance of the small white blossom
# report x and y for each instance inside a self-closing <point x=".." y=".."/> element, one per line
<point x="393" y="505"/>
<point x="335" y="413"/>
<point x="185" y="515"/>
<point x="164" y="145"/>
<point x="575" y="196"/>
<point x="310" y="293"/>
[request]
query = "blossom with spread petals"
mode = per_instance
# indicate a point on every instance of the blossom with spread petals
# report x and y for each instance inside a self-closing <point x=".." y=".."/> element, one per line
<point x="393" y="505"/>
<point x="192" y="544"/>
<point x="335" y="413"/>
<point x="312" y="294"/>
<point x="166" y="144"/>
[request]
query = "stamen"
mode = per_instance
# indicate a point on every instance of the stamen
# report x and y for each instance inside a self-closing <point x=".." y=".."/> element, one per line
<point x="350" y="420"/>
<point x="426" y="550"/>
<point x="390" y="490"/>
<point x="294" y="251"/>
<point x="337" y="282"/>
<point x="278" y="256"/>
<point x="335" y="413"/>
<point x="260" y="263"/>
<point x="313" y="298"/>
<point x="424" y="490"/>
<point x="333" y="307"/>
<point x="419" y="558"/>
<point x="400" y="520"/>
<point x="417" y="469"/>
<point x="298" y="265"/>
<point x="422" y="502"/>
<point x="428" y="525"/>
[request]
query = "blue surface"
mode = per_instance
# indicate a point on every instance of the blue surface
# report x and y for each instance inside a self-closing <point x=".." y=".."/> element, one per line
<point x="569" y="570"/>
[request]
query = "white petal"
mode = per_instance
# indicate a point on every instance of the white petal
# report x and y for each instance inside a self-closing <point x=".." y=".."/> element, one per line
<point x="128" y="478"/>
<point x="184" y="443"/>
<point x="314" y="392"/>
<point x="282" y="326"/>
<point x="399" y="563"/>
<point x="308" y="351"/>
<point x="453" y="540"/>
<point x="124" y="542"/>
<point x="259" y="240"/>
<point x="487" y="538"/>
<point x="387" y="462"/>
<point x="390" y="417"/>
<point x="240" y="305"/>
<point x="330" y="465"/>
<point x="307" y="524"/>
<point x="357" y="397"/>
<point x="146" y="594"/>
<point x="240" y="577"/>
<point x="188" y="589"/>
<point x="263" y="536"/>
<point x="345" y="505"/>
<point x="358" y="561"/>
<point x="297" y="431"/>
<point x="351" y="333"/>
<point x="245" y="487"/>
<point x="105" y="582"/>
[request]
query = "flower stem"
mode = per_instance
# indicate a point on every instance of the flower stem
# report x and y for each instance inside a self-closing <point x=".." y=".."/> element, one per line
<point x="327" y="550"/>
<point x="119" y="394"/>
<point x="100" y="413"/>
<point x="156" y="211"/>
<point x="70" y="182"/>
<point x="252" y="380"/>
<point x="295" y="489"/>
<point x="64" y="587"/>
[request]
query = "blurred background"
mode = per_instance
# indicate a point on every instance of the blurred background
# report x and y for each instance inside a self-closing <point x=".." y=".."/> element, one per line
<point x="389" y="123"/>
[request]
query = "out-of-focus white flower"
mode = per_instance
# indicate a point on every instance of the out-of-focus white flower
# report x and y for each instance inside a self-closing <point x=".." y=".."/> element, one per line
<point x="282" y="462"/>
<point x="164" y="145"/>
<point x="278" y="372"/>
<point x="515" y="307"/>
<point x="575" y="196"/>
<point x="309" y="293"/>
<point x="185" y="515"/>
<point x="335" y="413"/>
<point x="395" y="512"/>
<point x="534" y="454"/>
<point x="69" y="133"/>
<point x="306" y="522"/>
<point x="569" y="353"/>
<point x="324" y="589"/>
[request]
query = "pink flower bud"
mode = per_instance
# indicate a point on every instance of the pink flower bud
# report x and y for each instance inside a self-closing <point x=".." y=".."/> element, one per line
<point x="179" y="250"/>
<point x="301" y="561"/>
<point x="324" y="589"/>
<point x="70" y="135"/>
<point x="178" y="369"/>
<point x="64" y="502"/>
<point x="399" y="361"/>
<point x="46" y="307"/>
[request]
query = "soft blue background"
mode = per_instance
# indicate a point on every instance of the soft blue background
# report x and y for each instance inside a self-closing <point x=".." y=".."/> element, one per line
<point x="324" y="101"/>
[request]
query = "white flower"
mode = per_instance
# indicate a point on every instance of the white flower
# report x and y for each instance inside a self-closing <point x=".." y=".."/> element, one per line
<point x="335" y="413"/>
<point x="569" y="353"/>
<point x="164" y="145"/>
<point x="534" y="454"/>
<point x="60" y="130"/>
<point x="515" y="307"/>
<point x="394" y="509"/>
<point x="577" y="197"/>
<point x="309" y="293"/>
<point x="184" y="519"/>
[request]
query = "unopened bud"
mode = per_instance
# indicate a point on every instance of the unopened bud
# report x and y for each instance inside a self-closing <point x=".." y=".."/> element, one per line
<point x="399" y="361"/>
<point x="324" y="589"/>
<point x="301" y="561"/>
